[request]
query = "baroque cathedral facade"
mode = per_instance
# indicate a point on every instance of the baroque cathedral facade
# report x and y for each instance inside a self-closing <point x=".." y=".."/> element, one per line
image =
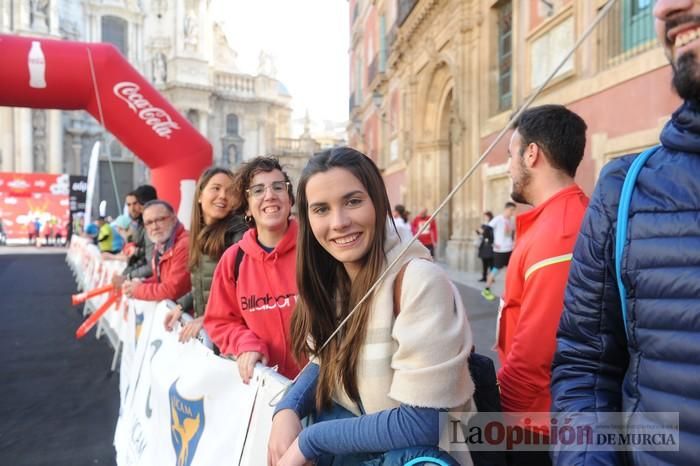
<point x="182" y="50"/>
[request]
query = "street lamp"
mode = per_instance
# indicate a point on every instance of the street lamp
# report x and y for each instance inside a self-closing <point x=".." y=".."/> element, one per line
<point x="357" y="127"/>
<point x="377" y="99"/>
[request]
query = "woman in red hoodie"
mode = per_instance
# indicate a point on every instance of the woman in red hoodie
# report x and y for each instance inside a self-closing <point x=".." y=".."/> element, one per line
<point x="253" y="293"/>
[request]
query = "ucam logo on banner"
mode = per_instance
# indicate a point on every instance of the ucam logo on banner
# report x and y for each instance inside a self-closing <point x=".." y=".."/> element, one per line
<point x="184" y="406"/>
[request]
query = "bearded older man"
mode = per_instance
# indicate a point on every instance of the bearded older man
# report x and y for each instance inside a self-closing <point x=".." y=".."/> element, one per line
<point x="171" y="277"/>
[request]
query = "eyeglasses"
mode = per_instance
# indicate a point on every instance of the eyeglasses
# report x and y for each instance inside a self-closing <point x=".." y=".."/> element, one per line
<point x="278" y="188"/>
<point x="156" y="221"/>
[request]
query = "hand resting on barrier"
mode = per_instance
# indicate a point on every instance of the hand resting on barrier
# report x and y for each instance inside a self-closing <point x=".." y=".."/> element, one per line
<point x="118" y="281"/>
<point x="129" y="285"/>
<point x="246" y="364"/>
<point x="172" y="318"/>
<point x="190" y="327"/>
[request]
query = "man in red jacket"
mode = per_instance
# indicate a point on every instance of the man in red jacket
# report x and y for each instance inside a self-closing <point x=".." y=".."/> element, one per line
<point x="171" y="277"/>
<point x="545" y="150"/>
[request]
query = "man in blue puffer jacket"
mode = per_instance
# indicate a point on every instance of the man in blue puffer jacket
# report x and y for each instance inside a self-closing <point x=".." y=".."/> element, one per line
<point x="656" y="368"/>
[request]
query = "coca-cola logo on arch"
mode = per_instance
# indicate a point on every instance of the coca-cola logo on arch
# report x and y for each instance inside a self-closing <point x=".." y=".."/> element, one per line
<point x="158" y="119"/>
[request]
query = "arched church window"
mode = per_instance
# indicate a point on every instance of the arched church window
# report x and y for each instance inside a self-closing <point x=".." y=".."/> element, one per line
<point x="231" y="124"/>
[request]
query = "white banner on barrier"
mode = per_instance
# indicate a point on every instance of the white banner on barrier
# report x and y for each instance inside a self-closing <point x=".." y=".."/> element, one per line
<point x="190" y="407"/>
<point x="131" y="437"/>
<point x="200" y="406"/>
<point x="271" y="384"/>
<point x="180" y="404"/>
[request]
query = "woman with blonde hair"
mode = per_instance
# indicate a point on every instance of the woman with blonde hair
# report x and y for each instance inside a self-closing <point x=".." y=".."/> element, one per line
<point x="378" y="387"/>
<point x="216" y="225"/>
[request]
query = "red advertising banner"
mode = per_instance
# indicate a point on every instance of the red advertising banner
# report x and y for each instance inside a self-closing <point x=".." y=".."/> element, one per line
<point x="61" y="74"/>
<point x="34" y="203"/>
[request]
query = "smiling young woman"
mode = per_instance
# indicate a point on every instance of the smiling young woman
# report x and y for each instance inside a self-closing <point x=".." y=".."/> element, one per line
<point x="379" y="378"/>
<point x="253" y="292"/>
<point x="216" y="225"/>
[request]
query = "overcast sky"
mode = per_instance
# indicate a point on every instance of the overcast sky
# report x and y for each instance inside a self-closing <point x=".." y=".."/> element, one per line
<point x="309" y="42"/>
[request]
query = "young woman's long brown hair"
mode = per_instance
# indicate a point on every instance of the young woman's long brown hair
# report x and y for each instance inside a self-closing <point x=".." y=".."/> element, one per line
<point x="209" y="240"/>
<point x="326" y="294"/>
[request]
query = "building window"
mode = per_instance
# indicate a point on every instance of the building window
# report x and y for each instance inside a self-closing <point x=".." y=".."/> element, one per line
<point x="548" y="49"/>
<point x="394" y="150"/>
<point x="115" y="149"/>
<point x="627" y="31"/>
<point x="114" y="31"/>
<point x="505" y="54"/>
<point x="358" y="81"/>
<point x="637" y="23"/>
<point x="193" y="118"/>
<point x="382" y="43"/>
<point x="231" y="124"/>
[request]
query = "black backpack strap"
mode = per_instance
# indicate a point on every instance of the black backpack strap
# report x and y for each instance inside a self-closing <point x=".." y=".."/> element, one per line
<point x="237" y="265"/>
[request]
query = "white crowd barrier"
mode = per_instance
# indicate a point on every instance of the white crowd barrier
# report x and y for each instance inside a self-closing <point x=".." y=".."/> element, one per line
<point x="180" y="404"/>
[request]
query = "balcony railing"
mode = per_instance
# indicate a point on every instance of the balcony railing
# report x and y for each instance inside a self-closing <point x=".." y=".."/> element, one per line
<point x="405" y="8"/>
<point x="235" y="83"/>
<point x="288" y="144"/>
<point x="351" y="103"/>
<point x="296" y="145"/>
<point x="391" y="36"/>
<point x="628" y="30"/>
<point x="372" y="70"/>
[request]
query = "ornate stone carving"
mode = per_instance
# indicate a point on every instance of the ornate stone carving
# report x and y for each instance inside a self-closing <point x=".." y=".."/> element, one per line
<point x="430" y="49"/>
<point x="224" y="56"/>
<point x="160" y="7"/>
<point x="266" y="64"/>
<point x="191" y="29"/>
<point x="39" y="15"/>
<point x="160" y="68"/>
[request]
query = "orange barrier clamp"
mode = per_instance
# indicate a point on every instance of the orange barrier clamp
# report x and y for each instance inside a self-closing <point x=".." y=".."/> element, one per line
<point x="85" y="295"/>
<point x="95" y="316"/>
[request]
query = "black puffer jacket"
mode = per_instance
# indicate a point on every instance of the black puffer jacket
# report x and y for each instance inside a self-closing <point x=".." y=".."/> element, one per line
<point x="658" y="370"/>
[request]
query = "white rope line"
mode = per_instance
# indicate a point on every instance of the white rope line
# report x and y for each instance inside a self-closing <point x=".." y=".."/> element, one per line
<point x="102" y="122"/>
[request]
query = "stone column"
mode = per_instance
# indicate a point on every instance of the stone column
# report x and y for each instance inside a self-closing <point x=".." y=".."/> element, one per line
<point x="39" y="141"/>
<point x="77" y="147"/>
<point x="462" y="253"/>
<point x="55" y="142"/>
<point x="6" y="139"/>
<point x="204" y="123"/>
<point x="23" y="140"/>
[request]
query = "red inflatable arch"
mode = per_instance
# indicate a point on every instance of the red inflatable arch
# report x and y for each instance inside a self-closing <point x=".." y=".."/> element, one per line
<point x="56" y="74"/>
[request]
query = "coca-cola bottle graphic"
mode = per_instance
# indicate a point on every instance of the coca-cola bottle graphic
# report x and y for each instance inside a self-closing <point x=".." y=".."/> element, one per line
<point x="37" y="66"/>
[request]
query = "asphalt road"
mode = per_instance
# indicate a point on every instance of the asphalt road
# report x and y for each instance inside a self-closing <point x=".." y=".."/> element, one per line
<point x="482" y="319"/>
<point x="58" y="405"/>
